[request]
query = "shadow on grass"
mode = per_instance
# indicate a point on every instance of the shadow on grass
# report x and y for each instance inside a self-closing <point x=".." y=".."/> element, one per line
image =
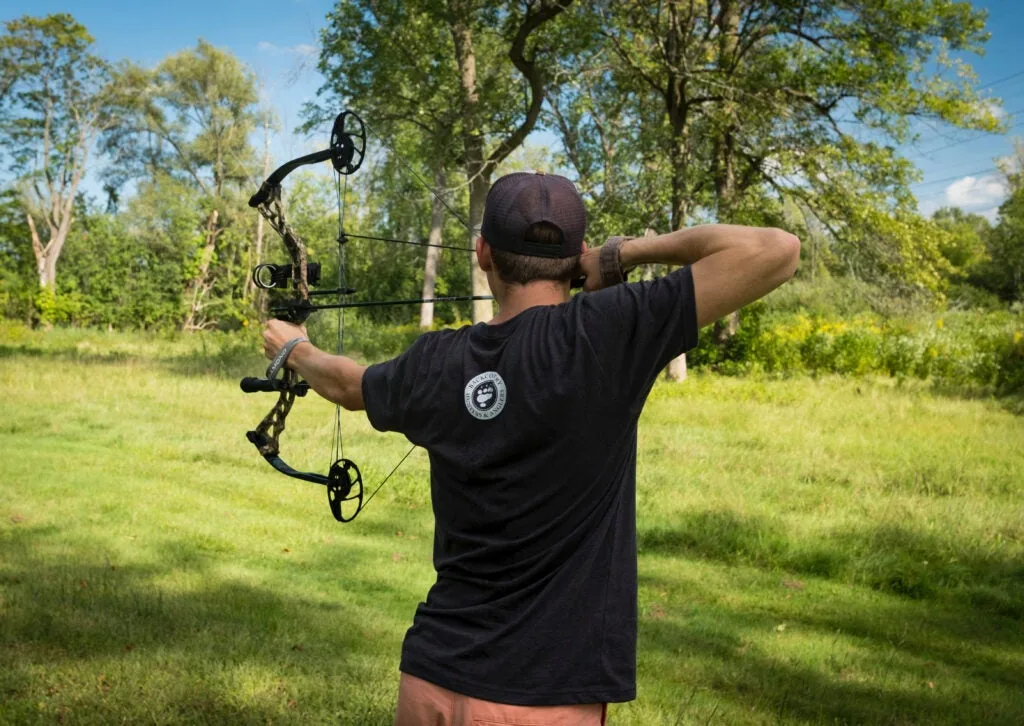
<point x="943" y="606"/>
<point x="231" y="360"/>
<point x="889" y="558"/>
<point x="748" y="679"/>
<point x="182" y="641"/>
<point x="1010" y="401"/>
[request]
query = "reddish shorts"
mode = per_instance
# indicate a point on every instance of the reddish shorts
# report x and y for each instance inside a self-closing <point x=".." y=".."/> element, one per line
<point x="423" y="704"/>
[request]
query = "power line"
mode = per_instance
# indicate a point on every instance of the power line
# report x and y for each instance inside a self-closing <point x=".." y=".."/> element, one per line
<point x="929" y="152"/>
<point x="957" y="177"/>
<point x="1002" y="80"/>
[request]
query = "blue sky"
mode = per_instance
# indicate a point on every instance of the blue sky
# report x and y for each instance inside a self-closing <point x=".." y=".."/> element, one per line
<point x="278" y="39"/>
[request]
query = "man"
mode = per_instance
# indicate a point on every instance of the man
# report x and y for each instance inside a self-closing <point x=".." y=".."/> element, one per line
<point x="530" y="422"/>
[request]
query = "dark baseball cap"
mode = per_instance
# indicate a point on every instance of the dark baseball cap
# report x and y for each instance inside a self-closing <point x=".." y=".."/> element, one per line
<point x="518" y="201"/>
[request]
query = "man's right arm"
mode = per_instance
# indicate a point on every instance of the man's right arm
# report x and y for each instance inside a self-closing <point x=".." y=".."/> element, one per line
<point x="732" y="265"/>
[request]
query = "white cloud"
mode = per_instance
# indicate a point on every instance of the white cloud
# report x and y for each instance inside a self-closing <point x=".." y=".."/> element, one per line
<point x="927" y="207"/>
<point x="994" y="107"/>
<point x="972" y="192"/>
<point x="303" y="50"/>
<point x="990" y="214"/>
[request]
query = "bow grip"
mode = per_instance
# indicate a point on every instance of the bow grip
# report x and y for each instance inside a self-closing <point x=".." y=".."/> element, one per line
<point x="271" y="385"/>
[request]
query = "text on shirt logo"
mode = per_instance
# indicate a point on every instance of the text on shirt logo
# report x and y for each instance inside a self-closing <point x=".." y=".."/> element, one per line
<point x="485" y="395"/>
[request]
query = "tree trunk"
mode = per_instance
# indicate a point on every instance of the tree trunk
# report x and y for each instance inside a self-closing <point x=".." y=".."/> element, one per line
<point x="257" y="292"/>
<point x="433" y="253"/>
<point x="479" y="166"/>
<point x="38" y="251"/>
<point x="473" y="141"/>
<point x="676" y="369"/>
<point x="200" y="285"/>
<point x="47" y="255"/>
<point x="725" y="176"/>
<point x="483" y="310"/>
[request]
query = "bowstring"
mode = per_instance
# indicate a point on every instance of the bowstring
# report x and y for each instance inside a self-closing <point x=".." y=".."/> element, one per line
<point x="341" y="189"/>
<point x="338" y="449"/>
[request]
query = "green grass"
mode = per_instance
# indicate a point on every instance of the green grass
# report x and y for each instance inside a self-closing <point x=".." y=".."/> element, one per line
<point x="811" y="551"/>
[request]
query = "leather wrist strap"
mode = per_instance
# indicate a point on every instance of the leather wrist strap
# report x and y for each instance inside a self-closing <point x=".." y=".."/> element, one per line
<point x="610" y="262"/>
<point x="282" y="356"/>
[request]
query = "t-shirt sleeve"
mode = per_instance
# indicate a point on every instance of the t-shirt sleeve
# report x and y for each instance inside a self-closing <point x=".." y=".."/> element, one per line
<point x="394" y="391"/>
<point x="636" y="328"/>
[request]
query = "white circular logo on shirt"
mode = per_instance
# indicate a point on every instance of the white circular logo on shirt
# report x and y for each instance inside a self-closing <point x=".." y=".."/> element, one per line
<point x="485" y="395"/>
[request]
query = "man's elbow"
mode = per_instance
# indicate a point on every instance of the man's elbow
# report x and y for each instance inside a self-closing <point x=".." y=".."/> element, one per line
<point x="350" y="398"/>
<point x="784" y="249"/>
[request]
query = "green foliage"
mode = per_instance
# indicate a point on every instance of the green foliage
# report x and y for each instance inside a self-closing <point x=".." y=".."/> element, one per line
<point x="1005" y="273"/>
<point x="964" y="247"/>
<point x="118" y="279"/>
<point x="718" y="110"/>
<point x="956" y="349"/>
<point x="756" y="145"/>
<point x="844" y="297"/>
<point x="18" y="276"/>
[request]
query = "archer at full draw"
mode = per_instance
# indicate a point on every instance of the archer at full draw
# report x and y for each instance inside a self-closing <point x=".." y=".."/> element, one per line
<point x="293" y="302"/>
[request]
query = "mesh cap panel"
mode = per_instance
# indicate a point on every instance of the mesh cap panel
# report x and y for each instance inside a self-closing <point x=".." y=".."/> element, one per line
<point x="518" y="201"/>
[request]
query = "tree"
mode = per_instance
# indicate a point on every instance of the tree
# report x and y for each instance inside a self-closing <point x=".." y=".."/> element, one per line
<point x="964" y="244"/>
<point x="190" y="119"/>
<point x="1005" y="274"/>
<point x="54" y="96"/>
<point x="19" y="282"/>
<point x="752" y="102"/>
<point x="802" y="99"/>
<point x="466" y="71"/>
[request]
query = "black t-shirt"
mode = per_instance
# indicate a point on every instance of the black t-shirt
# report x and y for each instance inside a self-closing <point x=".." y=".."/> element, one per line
<point x="531" y="430"/>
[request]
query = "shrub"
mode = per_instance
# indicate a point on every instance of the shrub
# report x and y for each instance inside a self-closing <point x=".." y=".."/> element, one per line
<point x="956" y="348"/>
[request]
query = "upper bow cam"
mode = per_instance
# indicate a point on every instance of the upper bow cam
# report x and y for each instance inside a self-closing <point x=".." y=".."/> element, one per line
<point x="346" y="152"/>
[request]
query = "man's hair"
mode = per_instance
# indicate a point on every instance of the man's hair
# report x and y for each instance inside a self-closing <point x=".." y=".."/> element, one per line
<point x="514" y="269"/>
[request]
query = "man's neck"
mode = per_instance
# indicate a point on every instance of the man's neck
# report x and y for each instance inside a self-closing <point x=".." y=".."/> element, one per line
<point x="517" y="298"/>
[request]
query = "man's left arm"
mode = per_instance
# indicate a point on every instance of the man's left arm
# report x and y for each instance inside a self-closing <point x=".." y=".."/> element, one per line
<point x="335" y="377"/>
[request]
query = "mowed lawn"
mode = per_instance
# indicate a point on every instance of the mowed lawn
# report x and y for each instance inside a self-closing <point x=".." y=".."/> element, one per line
<point x="811" y="552"/>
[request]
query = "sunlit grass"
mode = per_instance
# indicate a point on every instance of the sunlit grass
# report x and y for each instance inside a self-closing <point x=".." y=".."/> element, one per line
<point x="810" y="551"/>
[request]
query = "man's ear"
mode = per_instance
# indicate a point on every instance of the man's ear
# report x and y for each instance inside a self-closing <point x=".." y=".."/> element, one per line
<point x="483" y="254"/>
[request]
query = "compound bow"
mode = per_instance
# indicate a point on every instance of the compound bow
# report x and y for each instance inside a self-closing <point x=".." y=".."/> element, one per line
<point x="346" y="153"/>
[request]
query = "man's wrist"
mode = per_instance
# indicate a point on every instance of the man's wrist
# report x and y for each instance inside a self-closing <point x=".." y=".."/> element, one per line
<point x="301" y="353"/>
<point x="675" y="248"/>
<point x="609" y="262"/>
<point x="627" y="253"/>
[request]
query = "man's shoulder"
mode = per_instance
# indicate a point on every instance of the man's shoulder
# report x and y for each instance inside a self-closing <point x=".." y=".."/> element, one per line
<point x="432" y="341"/>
